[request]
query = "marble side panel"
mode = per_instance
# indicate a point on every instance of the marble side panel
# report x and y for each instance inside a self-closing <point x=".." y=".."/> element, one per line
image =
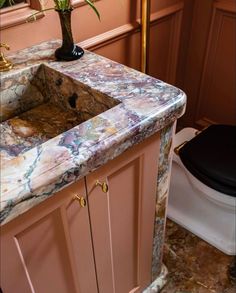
<point x="159" y="282"/>
<point x="21" y="92"/>
<point x="76" y="96"/>
<point x="165" y="160"/>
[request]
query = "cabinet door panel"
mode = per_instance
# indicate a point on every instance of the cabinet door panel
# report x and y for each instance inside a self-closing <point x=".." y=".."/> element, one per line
<point x="122" y="219"/>
<point x="43" y="249"/>
<point x="125" y="209"/>
<point x="82" y="246"/>
<point x="13" y="275"/>
<point x="48" y="249"/>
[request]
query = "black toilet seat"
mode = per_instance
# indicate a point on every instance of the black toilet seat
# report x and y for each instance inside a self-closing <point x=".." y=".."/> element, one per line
<point x="211" y="157"/>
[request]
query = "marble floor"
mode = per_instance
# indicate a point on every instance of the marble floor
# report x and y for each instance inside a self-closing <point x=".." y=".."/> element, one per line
<point x="194" y="266"/>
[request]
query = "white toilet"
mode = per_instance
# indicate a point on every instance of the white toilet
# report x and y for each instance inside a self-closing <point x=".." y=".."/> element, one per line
<point x="206" y="212"/>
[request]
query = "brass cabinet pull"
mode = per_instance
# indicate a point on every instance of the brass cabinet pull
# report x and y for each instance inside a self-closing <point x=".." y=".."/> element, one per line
<point x="81" y="200"/>
<point x="179" y="147"/>
<point x="103" y="185"/>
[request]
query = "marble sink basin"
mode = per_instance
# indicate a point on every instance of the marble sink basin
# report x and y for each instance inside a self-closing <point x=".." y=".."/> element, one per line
<point x="42" y="103"/>
<point x="62" y="120"/>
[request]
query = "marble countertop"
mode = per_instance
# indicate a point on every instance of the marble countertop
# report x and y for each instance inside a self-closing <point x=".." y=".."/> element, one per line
<point x="145" y="105"/>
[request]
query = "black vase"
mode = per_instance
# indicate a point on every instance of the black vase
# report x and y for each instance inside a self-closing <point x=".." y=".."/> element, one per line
<point x="68" y="51"/>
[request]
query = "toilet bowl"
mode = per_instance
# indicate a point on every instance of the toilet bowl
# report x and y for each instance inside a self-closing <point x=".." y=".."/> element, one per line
<point x="206" y="212"/>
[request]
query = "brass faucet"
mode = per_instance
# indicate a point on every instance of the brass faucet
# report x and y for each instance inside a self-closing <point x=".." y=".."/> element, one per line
<point x="5" y="64"/>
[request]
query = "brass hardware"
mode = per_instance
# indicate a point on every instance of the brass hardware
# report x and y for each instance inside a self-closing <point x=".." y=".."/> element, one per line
<point x="103" y="185"/>
<point x="145" y="35"/>
<point x="5" y="64"/>
<point x="199" y="131"/>
<point x="81" y="200"/>
<point x="179" y="147"/>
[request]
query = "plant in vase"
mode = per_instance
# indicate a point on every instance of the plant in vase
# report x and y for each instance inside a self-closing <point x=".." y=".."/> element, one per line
<point x="68" y="51"/>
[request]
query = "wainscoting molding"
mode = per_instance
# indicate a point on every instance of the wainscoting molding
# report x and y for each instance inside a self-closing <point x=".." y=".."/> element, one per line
<point x="18" y="14"/>
<point x="217" y="91"/>
<point x="172" y="16"/>
<point x="110" y="36"/>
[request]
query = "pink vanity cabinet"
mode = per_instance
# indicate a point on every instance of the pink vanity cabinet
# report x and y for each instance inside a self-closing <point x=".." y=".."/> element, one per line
<point x="59" y="246"/>
<point x="48" y="249"/>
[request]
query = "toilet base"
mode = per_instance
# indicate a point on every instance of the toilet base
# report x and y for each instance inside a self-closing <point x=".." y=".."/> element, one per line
<point x="200" y="209"/>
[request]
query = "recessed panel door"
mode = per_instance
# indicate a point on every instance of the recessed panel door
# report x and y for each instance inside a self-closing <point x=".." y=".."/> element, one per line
<point x="48" y="249"/>
<point x="122" y="197"/>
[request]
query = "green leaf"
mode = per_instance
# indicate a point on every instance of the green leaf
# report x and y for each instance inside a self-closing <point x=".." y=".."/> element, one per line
<point x="62" y="4"/>
<point x="90" y="3"/>
<point x="10" y="3"/>
<point x="2" y="3"/>
<point x="32" y="17"/>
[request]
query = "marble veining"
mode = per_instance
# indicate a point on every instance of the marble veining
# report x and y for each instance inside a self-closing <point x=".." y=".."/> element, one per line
<point x="21" y="92"/>
<point x="163" y="178"/>
<point x="64" y="105"/>
<point x="35" y="127"/>
<point x="130" y="106"/>
<point x="159" y="282"/>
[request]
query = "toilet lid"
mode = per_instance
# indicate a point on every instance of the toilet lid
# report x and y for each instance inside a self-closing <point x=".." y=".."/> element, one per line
<point x="211" y="157"/>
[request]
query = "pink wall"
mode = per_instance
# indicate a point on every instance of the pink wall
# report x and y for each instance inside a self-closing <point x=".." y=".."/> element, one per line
<point x="179" y="54"/>
<point x="117" y="36"/>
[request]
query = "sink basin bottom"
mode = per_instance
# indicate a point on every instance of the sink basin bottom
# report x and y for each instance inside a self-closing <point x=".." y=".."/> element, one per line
<point x="36" y="126"/>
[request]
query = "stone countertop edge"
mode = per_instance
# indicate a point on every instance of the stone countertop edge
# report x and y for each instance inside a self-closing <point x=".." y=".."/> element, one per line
<point x="147" y="105"/>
